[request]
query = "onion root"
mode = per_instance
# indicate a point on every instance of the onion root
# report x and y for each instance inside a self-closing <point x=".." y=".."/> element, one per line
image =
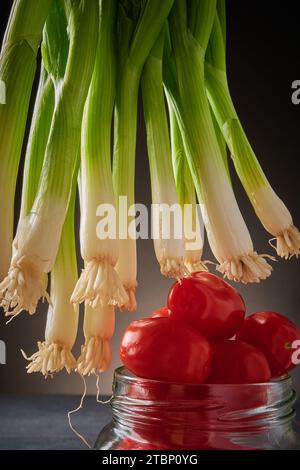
<point x="95" y="356"/>
<point x="22" y="288"/>
<point x="50" y="358"/>
<point x="99" y="285"/>
<point x="248" y="268"/>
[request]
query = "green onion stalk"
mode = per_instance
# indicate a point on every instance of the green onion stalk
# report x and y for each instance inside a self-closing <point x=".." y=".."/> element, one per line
<point x="139" y="24"/>
<point x="99" y="283"/>
<point x="227" y="232"/>
<point x="37" y="240"/>
<point x="54" y="353"/>
<point x="54" y="48"/>
<point x="98" y="327"/>
<point x="269" y="208"/>
<point x="169" y="247"/>
<point x="37" y="141"/>
<point x="17" y="70"/>
<point x="187" y="199"/>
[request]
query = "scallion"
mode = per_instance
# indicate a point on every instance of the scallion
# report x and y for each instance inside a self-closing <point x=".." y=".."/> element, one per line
<point x="99" y="284"/>
<point x="139" y="24"/>
<point x="37" y="240"/>
<point x="227" y="233"/>
<point x="187" y="199"/>
<point x="169" y="250"/>
<point x="270" y="209"/>
<point x="99" y="326"/>
<point x="54" y="353"/>
<point x="17" y="69"/>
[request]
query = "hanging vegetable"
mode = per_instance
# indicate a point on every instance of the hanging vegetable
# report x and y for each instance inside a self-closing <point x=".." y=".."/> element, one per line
<point x="99" y="284"/>
<point x="38" y="235"/>
<point x="99" y="326"/>
<point x="187" y="199"/>
<point x="54" y="354"/>
<point x="54" y="48"/>
<point x="227" y="232"/>
<point x="270" y="209"/>
<point x="139" y="24"/>
<point x="17" y="69"/>
<point x="169" y="246"/>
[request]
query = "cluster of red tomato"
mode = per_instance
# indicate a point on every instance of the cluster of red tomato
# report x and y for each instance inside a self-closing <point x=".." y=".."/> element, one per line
<point x="202" y="335"/>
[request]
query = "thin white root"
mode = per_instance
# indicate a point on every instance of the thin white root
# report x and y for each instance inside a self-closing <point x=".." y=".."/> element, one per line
<point x="22" y="288"/>
<point x="288" y="243"/>
<point x="102" y="402"/>
<point x="193" y="261"/>
<point x="173" y="267"/>
<point x="99" y="285"/>
<point x="194" y="266"/>
<point x="50" y="358"/>
<point x="78" y="408"/>
<point x="95" y="356"/>
<point x="246" y="268"/>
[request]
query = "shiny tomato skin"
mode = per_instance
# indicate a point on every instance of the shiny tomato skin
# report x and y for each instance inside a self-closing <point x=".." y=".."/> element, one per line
<point x="236" y="362"/>
<point x="208" y="304"/>
<point x="164" y="349"/>
<point x="273" y="334"/>
<point x="161" y="312"/>
<point x="131" y="444"/>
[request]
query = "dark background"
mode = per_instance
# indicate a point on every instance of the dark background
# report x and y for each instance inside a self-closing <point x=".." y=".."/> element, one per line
<point x="263" y="60"/>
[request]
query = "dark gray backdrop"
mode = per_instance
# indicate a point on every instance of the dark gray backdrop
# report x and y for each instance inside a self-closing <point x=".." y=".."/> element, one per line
<point x="263" y="60"/>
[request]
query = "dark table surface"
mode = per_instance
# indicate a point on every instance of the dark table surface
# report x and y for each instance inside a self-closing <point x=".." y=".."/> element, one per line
<point x="41" y="422"/>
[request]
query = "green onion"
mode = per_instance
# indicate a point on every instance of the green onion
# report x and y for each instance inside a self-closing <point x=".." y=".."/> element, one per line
<point x="270" y="209"/>
<point x="37" y="142"/>
<point x="54" y="354"/>
<point x="139" y="24"/>
<point x="37" y="240"/>
<point x="17" y="70"/>
<point x="99" y="283"/>
<point x="169" y="250"/>
<point x="227" y="233"/>
<point x="187" y="199"/>
<point x="99" y="326"/>
<point x="55" y="47"/>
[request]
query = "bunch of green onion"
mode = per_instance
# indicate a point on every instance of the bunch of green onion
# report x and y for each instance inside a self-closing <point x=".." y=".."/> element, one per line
<point x="96" y="57"/>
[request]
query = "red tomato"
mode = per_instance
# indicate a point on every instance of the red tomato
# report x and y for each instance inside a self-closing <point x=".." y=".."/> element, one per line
<point x="208" y="304"/>
<point x="273" y="334"/>
<point x="161" y="312"/>
<point x="164" y="349"/>
<point x="236" y="362"/>
<point x="131" y="444"/>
